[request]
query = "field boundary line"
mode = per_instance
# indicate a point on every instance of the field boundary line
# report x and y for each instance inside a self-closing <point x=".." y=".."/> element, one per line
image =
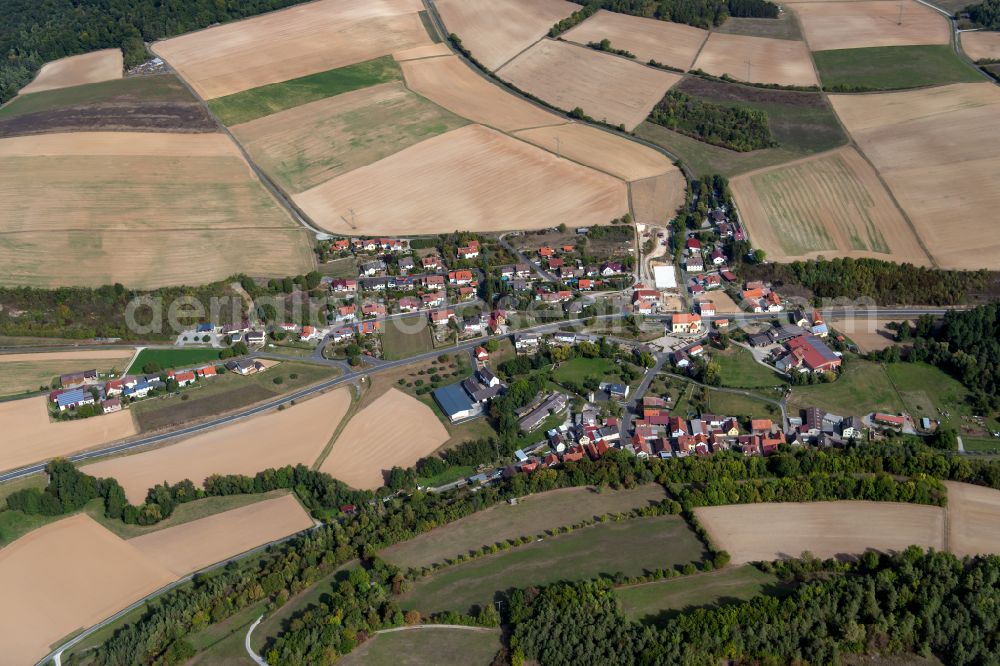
<point x="357" y="395"/>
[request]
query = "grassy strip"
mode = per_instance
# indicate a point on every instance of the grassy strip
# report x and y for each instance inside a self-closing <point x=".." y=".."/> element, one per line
<point x="891" y="68"/>
<point x="258" y="102"/>
<point x="173" y="358"/>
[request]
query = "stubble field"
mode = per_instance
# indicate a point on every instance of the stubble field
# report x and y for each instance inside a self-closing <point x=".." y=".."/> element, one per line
<point x="769" y="531"/>
<point x="445" y="183"/>
<point x="832" y="204"/>
<point x="77" y="70"/>
<point x="938" y="150"/>
<point x="673" y="44"/>
<point x="655" y="200"/>
<point x="92" y="208"/>
<point x="30" y="437"/>
<point x="450" y="83"/>
<point x="606" y="87"/>
<point x="757" y="60"/>
<point x="981" y="45"/>
<point x="496" y="31"/>
<point x="246" y="447"/>
<point x="973" y="519"/>
<point x="867" y="23"/>
<point x="300" y="40"/>
<point x="27" y="372"/>
<point x="309" y="144"/>
<point x="394" y="430"/>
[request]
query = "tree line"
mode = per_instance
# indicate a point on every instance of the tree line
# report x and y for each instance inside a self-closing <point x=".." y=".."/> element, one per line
<point x="699" y="13"/>
<point x="738" y="128"/>
<point x="985" y="14"/>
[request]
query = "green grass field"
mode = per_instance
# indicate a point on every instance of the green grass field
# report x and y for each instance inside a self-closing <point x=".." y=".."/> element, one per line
<point x="630" y="547"/>
<point x="406" y="337"/>
<point x="653" y="603"/>
<point x="783" y="27"/>
<point x="740" y="370"/>
<point x="173" y="358"/>
<point x="258" y="102"/>
<point x="578" y="369"/>
<point x="891" y="67"/>
<point x="416" y="647"/>
<point x="929" y="391"/>
<point x="741" y="406"/>
<point x="862" y="387"/>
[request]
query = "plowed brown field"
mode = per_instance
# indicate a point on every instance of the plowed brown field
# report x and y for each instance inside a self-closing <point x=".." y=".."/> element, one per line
<point x="497" y="30"/>
<point x="471" y="178"/>
<point x="606" y="87"/>
<point x="672" y="44"/>
<point x="289" y="437"/>
<point x="757" y="60"/>
<point x="77" y="70"/>
<point x="856" y="25"/>
<point x="300" y="40"/>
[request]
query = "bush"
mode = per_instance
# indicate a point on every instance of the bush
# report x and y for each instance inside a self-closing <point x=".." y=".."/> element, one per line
<point x="278" y="380"/>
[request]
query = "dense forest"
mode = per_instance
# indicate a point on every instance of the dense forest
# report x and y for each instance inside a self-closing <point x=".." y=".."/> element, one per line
<point x="911" y="602"/>
<point x="34" y="32"/>
<point x="985" y="14"/>
<point x="884" y="282"/>
<point x="699" y="13"/>
<point x="735" y="127"/>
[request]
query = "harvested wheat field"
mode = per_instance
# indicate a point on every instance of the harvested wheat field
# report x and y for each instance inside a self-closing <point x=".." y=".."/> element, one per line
<point x="495" y="31"/>
<point x="94" y="208"/>
<point x="782" y="61"/>
<point x="471" y="178"/>
<point x="300" y="40"/>
<point x="869" y="334"/>
<point x="673" y="44"/>
<point x="77" y="70"/>
<point x="939" y="152"/>
<point x="973" y="519"/>
<point x="604" y="151"/>
<point x="656" y="200"/>
<point x="66" y="576"/>
<point x="606" y="87"/>
<point x="307" y="145"/>
<point x="981" y="45"/>
<point x="394" y="430"/>
<point x="826" y="529"/>
<point x="274" y="439"/>
<point x="426" y="51"/>
<point x="27" y="372"/>
<point x="452" y="84"/>
<point x="855" y="25"/>
<point x="831" y="204"/>
<point x="195" y="545"/>
<point x="30" y="437"/>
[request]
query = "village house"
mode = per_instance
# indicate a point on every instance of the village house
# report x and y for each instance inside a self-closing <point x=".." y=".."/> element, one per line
<point x="406" y="264"/>
<point x="431" y="263"/>
<point x="545" y="252"/>
<point x="372" y="267"/>
<point x="706" y="308"/>
<point x="368" y="327"/>
<point x="347" y="312"/>
<point x="526" y="342"/>
<point x="683" y="323"/>
<point x="611" y="268"/>
<point x="310" y="333"/>
<point x="717" y="257"/>
<point x="481" y="354"/>
<point x="469" y="251"/>
<point x="441" y="317"/>
<point x="694" y="264"/>
<point x="433" y="299"/>
<point x="693" y="246"/>
<point x="460" y="277"/>
<point x="373" y="309"/>
<point x="344" y="285"/>
<point x="73" y="398"/>
<point x="433" y="280"/>
<point x="409" y="303"/>
<point x="808" y="353"/>
<point x="111" y="405"/>
<point x="206" y="371"/>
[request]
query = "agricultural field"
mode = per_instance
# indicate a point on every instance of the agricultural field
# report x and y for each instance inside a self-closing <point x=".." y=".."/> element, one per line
<point x="422" y="52"/>
<point x="246" y="447"/>
<point x="291" y="43"/>
<point x="29" y="372"/>
<point x="167" y="358"/>
<point x="243" y="107"/>
<point x="310" y="144"/>
<point x="199" y="543"/>
<point x="496" y="31"/>
<point x="973" y="519"/>
<point x="532" y="515"/>
<point x="78" y="70"/>
<point x="784" y="27"/>
<point x="757" y="60"/>
<point x="655" y="200"/>
<point x="826" y="529"/>
<point x="631" y="547"/>
<point x="443" y="183"/>
<point x="892" y="68"/>
<point x="606" y="87"/>
<point x="88" y="569"/>
<point x="453" y="85"/>
<point x="405" y="337"/>
<point x="157" y="103"/>
<point x="445" y="646"/>
<point x="868" y="334"/>
<point x="93" y="208"/>
<point x="869" y="23"/>
<point x="673" y="44"/>
<point x="653" y="603"/>
<point x="862" y="387"/>
<point x="371" y="444"/>
<point x="938" y="151"/>
<point x="601" y="150"/>
<point x="828" y="205"/>
<point x="30" y="437"/>
<point x="981" y="45"/>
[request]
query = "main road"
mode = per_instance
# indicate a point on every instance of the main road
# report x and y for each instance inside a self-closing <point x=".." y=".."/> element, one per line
<point x="353" y="375"/>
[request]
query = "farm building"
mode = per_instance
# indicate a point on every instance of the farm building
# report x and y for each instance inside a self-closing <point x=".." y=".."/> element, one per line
<point x="456" y="403"/>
